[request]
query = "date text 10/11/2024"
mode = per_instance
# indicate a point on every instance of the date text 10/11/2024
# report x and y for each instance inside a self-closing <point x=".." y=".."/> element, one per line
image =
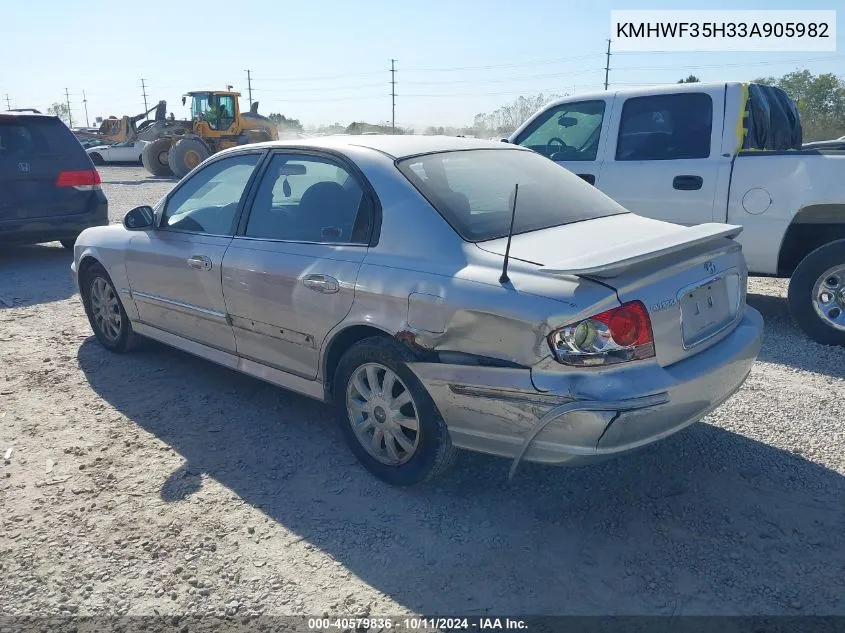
<point x="418" y="624"/>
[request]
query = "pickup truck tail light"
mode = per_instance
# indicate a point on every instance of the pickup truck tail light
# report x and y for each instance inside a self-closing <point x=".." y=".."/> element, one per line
<point x="86" y="180"/>
<point x="614" y="336"/>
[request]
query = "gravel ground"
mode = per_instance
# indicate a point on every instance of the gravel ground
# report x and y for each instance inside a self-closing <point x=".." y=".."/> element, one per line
<point x="157" y="482"/>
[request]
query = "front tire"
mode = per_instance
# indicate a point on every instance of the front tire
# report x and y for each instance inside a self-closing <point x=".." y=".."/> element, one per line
<point x="388" y="419"/>
<point x="186" y="154"/>
<point x="105" y="311"/>
<point x="817" y="294"/>
<point x="155" y="158"/>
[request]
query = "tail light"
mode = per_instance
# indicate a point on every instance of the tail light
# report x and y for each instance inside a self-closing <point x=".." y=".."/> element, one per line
<point x="615" y="336"/>
<point x="85" y="180"/>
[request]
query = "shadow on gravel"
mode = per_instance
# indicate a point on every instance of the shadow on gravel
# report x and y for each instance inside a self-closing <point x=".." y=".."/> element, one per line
<point x="35" y="274"/>
<point x="705" y="522"/>
<point x="785" y="344"/>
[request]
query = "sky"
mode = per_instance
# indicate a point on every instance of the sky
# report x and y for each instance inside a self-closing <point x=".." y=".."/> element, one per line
<point x="324" y="61"/>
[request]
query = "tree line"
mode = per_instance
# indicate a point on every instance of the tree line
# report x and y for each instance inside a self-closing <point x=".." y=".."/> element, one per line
<point x="820" y="100"/>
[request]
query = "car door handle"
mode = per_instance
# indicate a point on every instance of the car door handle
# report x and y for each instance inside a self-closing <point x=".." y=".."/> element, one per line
<point x="687" y="183"/>
<point x="200" y="262"/>
<point x="321" y="283"/>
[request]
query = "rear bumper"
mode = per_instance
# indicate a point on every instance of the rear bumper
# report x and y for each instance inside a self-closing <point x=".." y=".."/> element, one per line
<point x="573" y="417"/>
<point x="47" y="229"/>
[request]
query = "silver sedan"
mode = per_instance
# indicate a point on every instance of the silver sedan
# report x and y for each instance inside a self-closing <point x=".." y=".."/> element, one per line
<point x="439" y="292"/>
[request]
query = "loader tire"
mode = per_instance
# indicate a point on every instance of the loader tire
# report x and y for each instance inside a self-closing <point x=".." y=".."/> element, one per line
<point x="186" y="154"/>
<point x="155" y="158"/>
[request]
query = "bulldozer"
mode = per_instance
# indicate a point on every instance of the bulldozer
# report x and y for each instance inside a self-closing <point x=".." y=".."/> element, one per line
<point x="126" y="128"/>
<point x="216" y="124"/>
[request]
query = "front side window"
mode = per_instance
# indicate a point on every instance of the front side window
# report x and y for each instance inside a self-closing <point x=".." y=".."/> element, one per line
<point x="217" y="110"/>
<point x="474" y="191"/>
<point x="569" y="131"/>
<point x="309" y="199"/>
<point x="665" y="127"/>
<point x="208" y="201"/>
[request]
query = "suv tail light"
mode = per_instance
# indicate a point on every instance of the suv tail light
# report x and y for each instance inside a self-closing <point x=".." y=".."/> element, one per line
<point x="85" y="180"/>
<point x="615" y="336"/>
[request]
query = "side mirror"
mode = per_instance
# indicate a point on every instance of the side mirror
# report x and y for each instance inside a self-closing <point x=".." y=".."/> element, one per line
<point x="139" y="219"/>
<point x="504" y="140"/>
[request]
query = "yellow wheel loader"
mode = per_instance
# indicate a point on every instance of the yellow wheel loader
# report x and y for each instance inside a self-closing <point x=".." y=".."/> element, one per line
<point x="216" y="124"/>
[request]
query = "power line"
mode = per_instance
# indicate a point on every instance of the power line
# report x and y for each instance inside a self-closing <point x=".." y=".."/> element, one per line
<point x="607" y="65"/>
<point x="763" y="63"/>
<point x="503" y="79"/>
<point x="510" y="65"/>
<point x="320" y="78"/>
<point x="8" y="103"/>
<point x="393" y="94"/>
<point x="249" y="86"/>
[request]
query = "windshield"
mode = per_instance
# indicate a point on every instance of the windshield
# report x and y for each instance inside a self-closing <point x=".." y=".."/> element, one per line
<point x="473" y="191"/>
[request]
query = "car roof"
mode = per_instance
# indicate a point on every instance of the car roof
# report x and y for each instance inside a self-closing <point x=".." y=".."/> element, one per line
<point x="26" y="115"/>
<point x="396" y="146"/>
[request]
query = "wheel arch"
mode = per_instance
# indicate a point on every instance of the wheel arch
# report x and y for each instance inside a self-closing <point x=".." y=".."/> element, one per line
<point x="339" y="343"/>
<point x="115" y="269"/>
<point x="812" y="227"/>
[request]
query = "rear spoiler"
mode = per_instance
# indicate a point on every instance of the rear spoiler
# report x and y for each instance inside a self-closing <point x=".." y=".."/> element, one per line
<point x="613" y="262"/>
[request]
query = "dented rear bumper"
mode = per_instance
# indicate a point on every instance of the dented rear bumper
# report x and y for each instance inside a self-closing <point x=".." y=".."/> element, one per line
<point x="575" y="416"/>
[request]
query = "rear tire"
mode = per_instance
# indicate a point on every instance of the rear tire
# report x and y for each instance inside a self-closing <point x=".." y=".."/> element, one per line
<point x="96" y="159"/>
<point x="417" y="455"/>
<point x="186" y="154"/>
<point x="105" y="311"/>
<point x="819" y="276"/>
<point x="155" y="158"/>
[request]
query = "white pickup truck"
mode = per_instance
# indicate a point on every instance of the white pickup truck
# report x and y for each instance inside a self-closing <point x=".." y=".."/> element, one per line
<point x="726" y="152"/>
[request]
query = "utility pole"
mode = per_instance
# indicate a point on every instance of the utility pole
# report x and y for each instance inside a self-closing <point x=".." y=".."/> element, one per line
<point x="69" y="116"/>
<point x="249" y="86"/>
<point x="144" y="94"/>
<point x="85" y="102"/>
<point x="8" y="103"/>
<point x="393" y="95"/>
<point x="607" y="66"/>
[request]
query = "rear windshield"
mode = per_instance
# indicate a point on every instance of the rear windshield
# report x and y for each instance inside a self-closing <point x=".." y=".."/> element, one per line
<point x="29" y="136"/>
<point x="473" y="191"/>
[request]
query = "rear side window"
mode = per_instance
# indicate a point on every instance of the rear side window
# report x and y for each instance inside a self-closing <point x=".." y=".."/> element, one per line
<point x="30" y="136"/>
<point x="665" y="127"/>
<point x="474" y="191"/>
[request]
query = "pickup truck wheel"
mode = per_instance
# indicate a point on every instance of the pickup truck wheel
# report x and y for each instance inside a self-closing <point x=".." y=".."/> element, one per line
<point x="817" y="294"/>
<point x="105" y="311"/>
<point x="388" y="419"/>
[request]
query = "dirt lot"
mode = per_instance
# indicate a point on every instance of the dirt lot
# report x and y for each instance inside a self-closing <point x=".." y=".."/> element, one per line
<point x="157" y="481"/>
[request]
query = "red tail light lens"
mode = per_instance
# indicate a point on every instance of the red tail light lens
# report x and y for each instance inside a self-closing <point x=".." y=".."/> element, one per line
<point x="87" y="179"/>
<point x="615" y="336"/>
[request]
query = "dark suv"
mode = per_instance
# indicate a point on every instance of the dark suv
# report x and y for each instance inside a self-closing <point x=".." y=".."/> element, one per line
<point x="49" y="189"/>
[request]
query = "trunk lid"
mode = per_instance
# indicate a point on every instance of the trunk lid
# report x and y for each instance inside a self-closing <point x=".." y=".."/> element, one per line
<point x="692" y="280"/>
<point x="33" y="151"/>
